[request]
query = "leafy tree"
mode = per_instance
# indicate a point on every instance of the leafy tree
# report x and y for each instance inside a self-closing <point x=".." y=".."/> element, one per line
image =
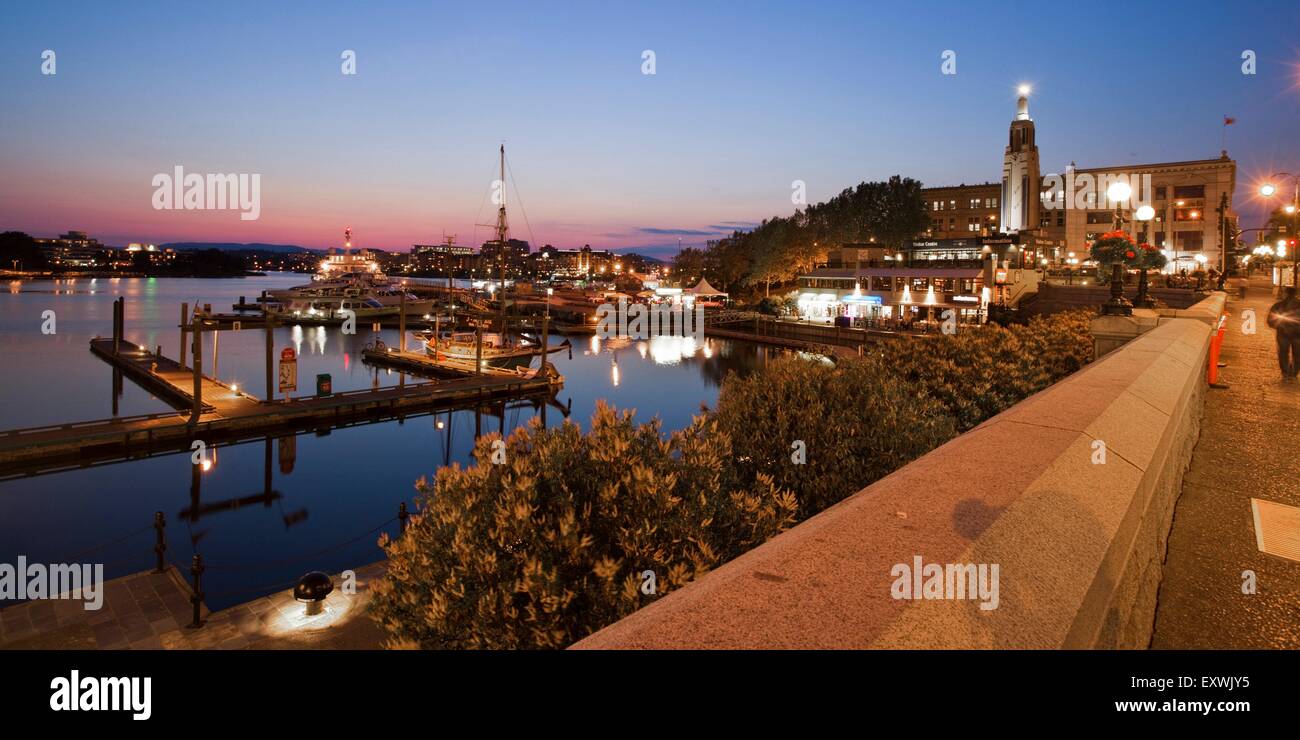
<point x="19" y="247"/>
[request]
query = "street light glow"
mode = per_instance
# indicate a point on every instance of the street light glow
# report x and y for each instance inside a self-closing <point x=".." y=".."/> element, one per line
<point x="1145" y="213"/>
<point x="1267" y="190"/>
<point x="1118" y="192"/>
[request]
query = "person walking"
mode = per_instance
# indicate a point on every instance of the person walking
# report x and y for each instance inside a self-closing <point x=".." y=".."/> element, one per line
<point x="1284" y="319"/>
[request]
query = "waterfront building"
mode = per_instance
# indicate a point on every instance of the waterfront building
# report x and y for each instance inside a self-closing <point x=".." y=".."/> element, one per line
<point x="1192" y="201"/>
<point x="576" y="263"/>
<point x="441" y="258"/>
<point x="514" y="254"/>
<point x="73" y="249"/>
<point x="920" y="290"/>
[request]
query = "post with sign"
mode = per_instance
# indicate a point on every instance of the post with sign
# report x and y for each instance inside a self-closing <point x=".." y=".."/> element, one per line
<point x="288" y="371"/>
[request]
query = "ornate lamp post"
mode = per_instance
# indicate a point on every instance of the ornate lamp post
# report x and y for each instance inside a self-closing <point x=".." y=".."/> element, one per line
<point x="1144" y="214"/>
<point x="1118" y="305"/>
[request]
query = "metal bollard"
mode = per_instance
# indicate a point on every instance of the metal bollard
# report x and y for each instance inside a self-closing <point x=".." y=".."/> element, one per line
<point x="160" y="546"/>
<point x="196" y="598"/>
<point x="402" y="515"/>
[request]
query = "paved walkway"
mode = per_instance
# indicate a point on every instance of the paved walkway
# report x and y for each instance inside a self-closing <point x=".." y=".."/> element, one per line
<point x="150" y="611"/>
<point x="1249" y="448"/>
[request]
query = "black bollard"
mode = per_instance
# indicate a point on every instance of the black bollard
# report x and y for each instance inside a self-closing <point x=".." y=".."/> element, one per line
<point x="160" y="546"/>
<point x="402" y="515"/>
<point x="196" y="598"/>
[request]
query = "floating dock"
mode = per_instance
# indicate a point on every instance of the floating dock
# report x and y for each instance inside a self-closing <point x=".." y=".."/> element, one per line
<point x="227" y="414"/>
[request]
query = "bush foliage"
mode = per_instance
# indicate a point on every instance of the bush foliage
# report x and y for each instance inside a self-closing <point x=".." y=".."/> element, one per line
<point x="551" y="545"/>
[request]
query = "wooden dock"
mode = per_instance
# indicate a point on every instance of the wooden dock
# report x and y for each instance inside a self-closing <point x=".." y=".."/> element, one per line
<point x="228" y="415"/>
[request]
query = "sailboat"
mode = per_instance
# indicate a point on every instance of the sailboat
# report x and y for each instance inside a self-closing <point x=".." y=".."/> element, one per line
<point x="499" y="349"/>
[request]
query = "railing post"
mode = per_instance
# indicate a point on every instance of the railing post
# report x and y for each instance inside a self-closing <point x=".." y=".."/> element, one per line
<point x="402" y="516"/>
<point x="196" y="598"/>
<point x="160" y="545"/>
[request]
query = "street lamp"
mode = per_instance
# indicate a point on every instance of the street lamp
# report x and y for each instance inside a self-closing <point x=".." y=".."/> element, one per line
<point x="1268" y="190"/>
<point x="1118" y="305"/>
<point x="1144" y="214"/>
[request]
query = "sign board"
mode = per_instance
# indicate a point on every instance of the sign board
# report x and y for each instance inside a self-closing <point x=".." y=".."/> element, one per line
<point x="1000" y="277"/>
<point x="236" y="326"/>
<point x="288" y="370"/>
<point x="324" y="386"/>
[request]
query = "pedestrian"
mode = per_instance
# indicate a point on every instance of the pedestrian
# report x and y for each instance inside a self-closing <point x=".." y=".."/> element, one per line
<point x="1284" y="318"/>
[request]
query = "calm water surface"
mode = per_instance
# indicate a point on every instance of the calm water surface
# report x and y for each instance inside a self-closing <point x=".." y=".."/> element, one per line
<point x="328" y="490"/>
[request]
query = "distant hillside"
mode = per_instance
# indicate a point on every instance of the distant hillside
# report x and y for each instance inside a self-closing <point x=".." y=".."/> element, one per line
<point x="235" y="247"/>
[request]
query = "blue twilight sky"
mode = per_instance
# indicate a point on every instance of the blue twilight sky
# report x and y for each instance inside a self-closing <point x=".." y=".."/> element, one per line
<point x="747" y="97"/>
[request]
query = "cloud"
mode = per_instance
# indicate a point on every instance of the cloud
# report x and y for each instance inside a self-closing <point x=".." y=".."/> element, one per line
<point x="674" y="232"/>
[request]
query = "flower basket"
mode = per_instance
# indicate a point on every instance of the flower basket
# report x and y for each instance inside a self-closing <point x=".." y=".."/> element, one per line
<point x="1116" y="247"/>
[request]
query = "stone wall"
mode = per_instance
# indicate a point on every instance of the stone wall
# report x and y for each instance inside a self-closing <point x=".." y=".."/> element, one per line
<point x="1078" y="542"/>
<point x="1053" y="298"/>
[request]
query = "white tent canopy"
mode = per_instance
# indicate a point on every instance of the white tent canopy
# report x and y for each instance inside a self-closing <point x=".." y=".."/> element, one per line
<point x="703" y="288"/>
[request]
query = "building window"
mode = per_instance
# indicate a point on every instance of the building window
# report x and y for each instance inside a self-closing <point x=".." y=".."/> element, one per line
<point x="1101" y="217"/>
<point x="1160" y="192"/>
<point x="1189" y="191"/>
<point x="919" y="283"/>
<point x="1187" y="214"/>
<point x="1189" y="241"/>
<point x="882" y="284"/>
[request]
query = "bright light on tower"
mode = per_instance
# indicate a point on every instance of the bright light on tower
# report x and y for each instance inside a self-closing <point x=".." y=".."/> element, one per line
<point x="1023" y="89"/>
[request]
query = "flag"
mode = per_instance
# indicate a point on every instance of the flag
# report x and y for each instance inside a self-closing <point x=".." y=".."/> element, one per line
<point x="1228" y="120"/>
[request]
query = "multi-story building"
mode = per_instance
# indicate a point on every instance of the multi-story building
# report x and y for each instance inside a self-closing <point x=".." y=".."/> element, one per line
<point x="73" y="249"/>
<point x="1192" y="201"/>
<point x="576" y="263"/>
<point x="513" y="256"/>
<point x="441" y="258"/>
<point x="963" y="211"/>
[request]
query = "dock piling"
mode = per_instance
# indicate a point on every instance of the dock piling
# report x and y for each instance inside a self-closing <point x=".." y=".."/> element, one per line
<point x="185" y="321"/>
<point x="198" y="371"/>
<point x="196" y="598"/>
<point x="160" y="546"/>
<point x="270" y="352"/>
<point x="401" y="322"/>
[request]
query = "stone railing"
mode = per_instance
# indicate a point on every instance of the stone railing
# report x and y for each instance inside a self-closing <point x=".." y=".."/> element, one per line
<point x="1111" y="332"/>
<point x="1069" y="494"/>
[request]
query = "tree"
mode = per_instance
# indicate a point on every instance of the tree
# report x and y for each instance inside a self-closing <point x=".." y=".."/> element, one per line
<point x="17" y="247"/>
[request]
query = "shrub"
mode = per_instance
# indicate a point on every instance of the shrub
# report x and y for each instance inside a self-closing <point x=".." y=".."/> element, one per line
<point x="857" y="421"/>
<point x="979" y="373"/>
<point x="548" y="547"/>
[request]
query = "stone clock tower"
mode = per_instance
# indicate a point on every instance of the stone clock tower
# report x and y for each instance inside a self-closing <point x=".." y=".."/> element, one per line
<point x="1020" y="179"/>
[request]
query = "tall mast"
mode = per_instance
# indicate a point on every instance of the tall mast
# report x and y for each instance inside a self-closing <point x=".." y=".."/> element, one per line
<point x="503" y="230"/>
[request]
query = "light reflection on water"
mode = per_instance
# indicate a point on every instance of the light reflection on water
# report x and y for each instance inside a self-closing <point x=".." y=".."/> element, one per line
<point x="272" y="505"/>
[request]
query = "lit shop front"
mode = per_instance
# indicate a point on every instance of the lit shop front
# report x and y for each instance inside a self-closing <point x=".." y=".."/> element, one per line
<point x="906" y="293"/>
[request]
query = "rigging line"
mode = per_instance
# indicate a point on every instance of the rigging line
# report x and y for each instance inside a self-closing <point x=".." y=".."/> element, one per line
<point x="299" y="558"/>
<point x="119" y="540"/>
<point x="478" y="217"/>
<point x="519" y="198"/>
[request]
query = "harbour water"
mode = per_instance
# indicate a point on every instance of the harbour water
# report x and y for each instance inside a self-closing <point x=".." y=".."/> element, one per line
<point x="266" y="511"/>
